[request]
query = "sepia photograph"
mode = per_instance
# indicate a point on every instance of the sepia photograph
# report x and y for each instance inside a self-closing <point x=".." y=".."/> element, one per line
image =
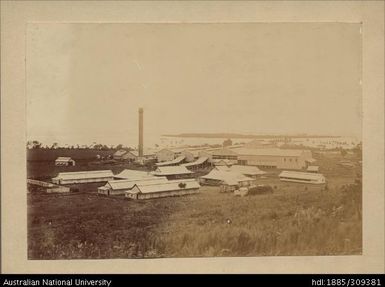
<point x="185" y="140"/>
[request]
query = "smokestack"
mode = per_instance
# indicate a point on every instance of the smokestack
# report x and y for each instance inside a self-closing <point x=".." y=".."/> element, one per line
<point x="140" y="147"/>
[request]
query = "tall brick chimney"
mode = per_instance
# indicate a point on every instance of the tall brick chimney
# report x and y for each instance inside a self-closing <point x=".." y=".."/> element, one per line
<point x="140" y="147"/>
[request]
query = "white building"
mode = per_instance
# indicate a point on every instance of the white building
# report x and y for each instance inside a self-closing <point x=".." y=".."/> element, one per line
<point x="302" y="177"/>
<point x="133" y="174"/>
<point x="173" y="172"/>
<point x="83" y="177"/>
<point x="227" y="178"/>
<point x="117" y="187"/>
<point x="274" y="158"/>
<point x="64" y="161"/>
<point x="250" y="171"/>
<point x="166" y="189"/>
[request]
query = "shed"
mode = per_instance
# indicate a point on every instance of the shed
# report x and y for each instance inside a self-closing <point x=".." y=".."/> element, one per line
<point x="313" y="169"/>
<point x="64" y="161"/>
<point x="119" y="154"/>
<point x="157" y="190"/>
<point x="228" y="178"/>
<point x="302" y="177"/>
<point x="117" y="187"/>
<point x="173" y="172"/>
<point x="83" y="177"/>
<point x="133" y="174"/>
<point x="251" y="171"/>
<point x="180" y="159"/>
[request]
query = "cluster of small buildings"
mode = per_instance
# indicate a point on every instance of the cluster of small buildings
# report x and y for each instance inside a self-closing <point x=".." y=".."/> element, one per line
<point x="266" y="157"/>
<point x="135" y="184"/>
<point x="231" y="168"/>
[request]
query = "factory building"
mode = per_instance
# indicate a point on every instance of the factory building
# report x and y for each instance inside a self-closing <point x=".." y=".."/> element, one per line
<point x="165" y="155"/>
<point x="190" y="155"/>
<point x="83" y="177"/>
<point x="176" y="161"/>
<point x="261" y="157"/>
<point x="169" y="154"/>
<point x="200" y="163"/>
<point x="274" y="158"/>
<point x="166" y="189"/>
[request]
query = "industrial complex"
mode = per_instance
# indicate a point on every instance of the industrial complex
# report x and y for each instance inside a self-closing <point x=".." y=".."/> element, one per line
<point x="175" y="171"/>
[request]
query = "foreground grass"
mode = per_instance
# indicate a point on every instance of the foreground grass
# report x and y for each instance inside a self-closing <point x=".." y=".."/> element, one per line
<point x="89" y="226"/>
<point x="310" y="222"/>
<point x="295" y="220"/>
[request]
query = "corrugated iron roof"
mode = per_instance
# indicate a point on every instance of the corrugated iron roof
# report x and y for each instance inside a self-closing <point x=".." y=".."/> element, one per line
<point x="133" y="174"/>
<point x="177" y="160"/>
<point x="172" y="185"/>
<point x="224" y="162"/>
<point x="63" y="158"/>
<point x="128" y="184"/>
<point x="120" y="152"/>
<point x="199" y="161"/>
<point x="85" y="174"/>
<point x="228" y="177"/>
<point x="268" y="151"/>
<point x="247" y="169"/>
<point x="171" y="170"/>
<point x="301" y="175"/>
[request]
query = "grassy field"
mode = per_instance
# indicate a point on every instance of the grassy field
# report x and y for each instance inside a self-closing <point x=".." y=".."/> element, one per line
<point x="296" y="219"/>
<point x="41" y="162"/>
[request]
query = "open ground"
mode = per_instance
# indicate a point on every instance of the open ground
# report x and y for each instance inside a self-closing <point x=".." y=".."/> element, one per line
<point x="296" y="219"/>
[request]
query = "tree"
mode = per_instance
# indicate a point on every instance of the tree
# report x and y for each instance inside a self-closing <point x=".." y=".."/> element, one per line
<point x="54" y="145"/>
<point x="119" y="146"/>
<point x="36" y="144"/>
<point x="29" y="144"/>
<point x="98" y="146"/>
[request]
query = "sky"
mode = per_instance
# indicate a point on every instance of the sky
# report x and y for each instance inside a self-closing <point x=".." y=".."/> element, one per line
<point x="85" y="82"/>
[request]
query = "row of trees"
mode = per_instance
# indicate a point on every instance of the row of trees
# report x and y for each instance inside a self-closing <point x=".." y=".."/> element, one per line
<point x="38" y="145"/>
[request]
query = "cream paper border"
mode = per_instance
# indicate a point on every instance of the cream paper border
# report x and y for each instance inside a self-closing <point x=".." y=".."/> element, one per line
<point x="16" y="14"/>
